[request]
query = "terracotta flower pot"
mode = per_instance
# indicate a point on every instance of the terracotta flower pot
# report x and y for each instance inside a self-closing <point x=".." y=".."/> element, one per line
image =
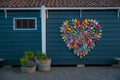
<point x="44" y="65"/>
<point x="46" y="61"/>
<point x="28" y="69"/>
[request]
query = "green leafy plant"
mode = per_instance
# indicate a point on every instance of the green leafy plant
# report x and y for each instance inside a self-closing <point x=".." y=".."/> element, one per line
<point x="23" y="61"/>
<point x="29" y="55"/>
<point x="41" y="55"/>
<point x="28" y="59"/>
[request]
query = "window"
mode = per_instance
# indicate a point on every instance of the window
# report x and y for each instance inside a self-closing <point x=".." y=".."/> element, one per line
<point x="25" y="24"/>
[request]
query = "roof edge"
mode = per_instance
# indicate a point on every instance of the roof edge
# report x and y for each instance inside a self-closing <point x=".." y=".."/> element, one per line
<point x="62" y="8"/>
<point x="81" y="8"/>
<point x="23" y="8"/>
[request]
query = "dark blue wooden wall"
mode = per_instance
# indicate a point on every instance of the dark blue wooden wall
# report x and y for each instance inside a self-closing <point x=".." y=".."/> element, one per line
<point x="13" y="43"/>
<point x="104" y="52"/>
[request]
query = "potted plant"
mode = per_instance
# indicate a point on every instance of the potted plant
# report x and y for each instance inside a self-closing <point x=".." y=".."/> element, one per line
<point x="28" y="62"/>
<point x="43" y="61"/>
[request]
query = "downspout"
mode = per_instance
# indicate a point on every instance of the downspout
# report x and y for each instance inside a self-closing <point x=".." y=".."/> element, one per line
<point x="43" y="28"/>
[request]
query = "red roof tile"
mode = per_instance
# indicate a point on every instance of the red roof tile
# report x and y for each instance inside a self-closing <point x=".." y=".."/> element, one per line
<point x="59" y="3"/>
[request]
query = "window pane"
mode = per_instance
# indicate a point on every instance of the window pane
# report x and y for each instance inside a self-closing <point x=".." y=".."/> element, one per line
<point x="18" y="23"/>
<point x="25" y="23"/>
<point x="31" y="23"/>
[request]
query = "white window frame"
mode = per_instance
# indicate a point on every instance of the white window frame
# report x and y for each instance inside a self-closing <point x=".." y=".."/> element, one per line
<point x="14" y="28"/>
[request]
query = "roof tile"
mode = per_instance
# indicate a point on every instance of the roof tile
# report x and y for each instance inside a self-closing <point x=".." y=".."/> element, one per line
<point x="59" y="3"/>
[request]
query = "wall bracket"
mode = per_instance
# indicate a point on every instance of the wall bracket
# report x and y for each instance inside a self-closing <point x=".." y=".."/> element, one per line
<point x="5" y="11"/>
<point x="118" y="13"/>
<point x="80" y="13"/>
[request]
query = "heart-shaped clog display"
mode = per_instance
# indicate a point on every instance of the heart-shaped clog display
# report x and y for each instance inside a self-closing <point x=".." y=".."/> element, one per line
<point x="81" y="37"/>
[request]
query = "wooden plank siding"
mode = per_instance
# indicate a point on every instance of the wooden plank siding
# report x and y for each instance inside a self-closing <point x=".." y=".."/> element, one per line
<point x="104" y="52"/>
<point x="13" y="43"/>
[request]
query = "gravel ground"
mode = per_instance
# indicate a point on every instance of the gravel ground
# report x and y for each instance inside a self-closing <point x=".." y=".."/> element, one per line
<point x="63" y="73"/>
